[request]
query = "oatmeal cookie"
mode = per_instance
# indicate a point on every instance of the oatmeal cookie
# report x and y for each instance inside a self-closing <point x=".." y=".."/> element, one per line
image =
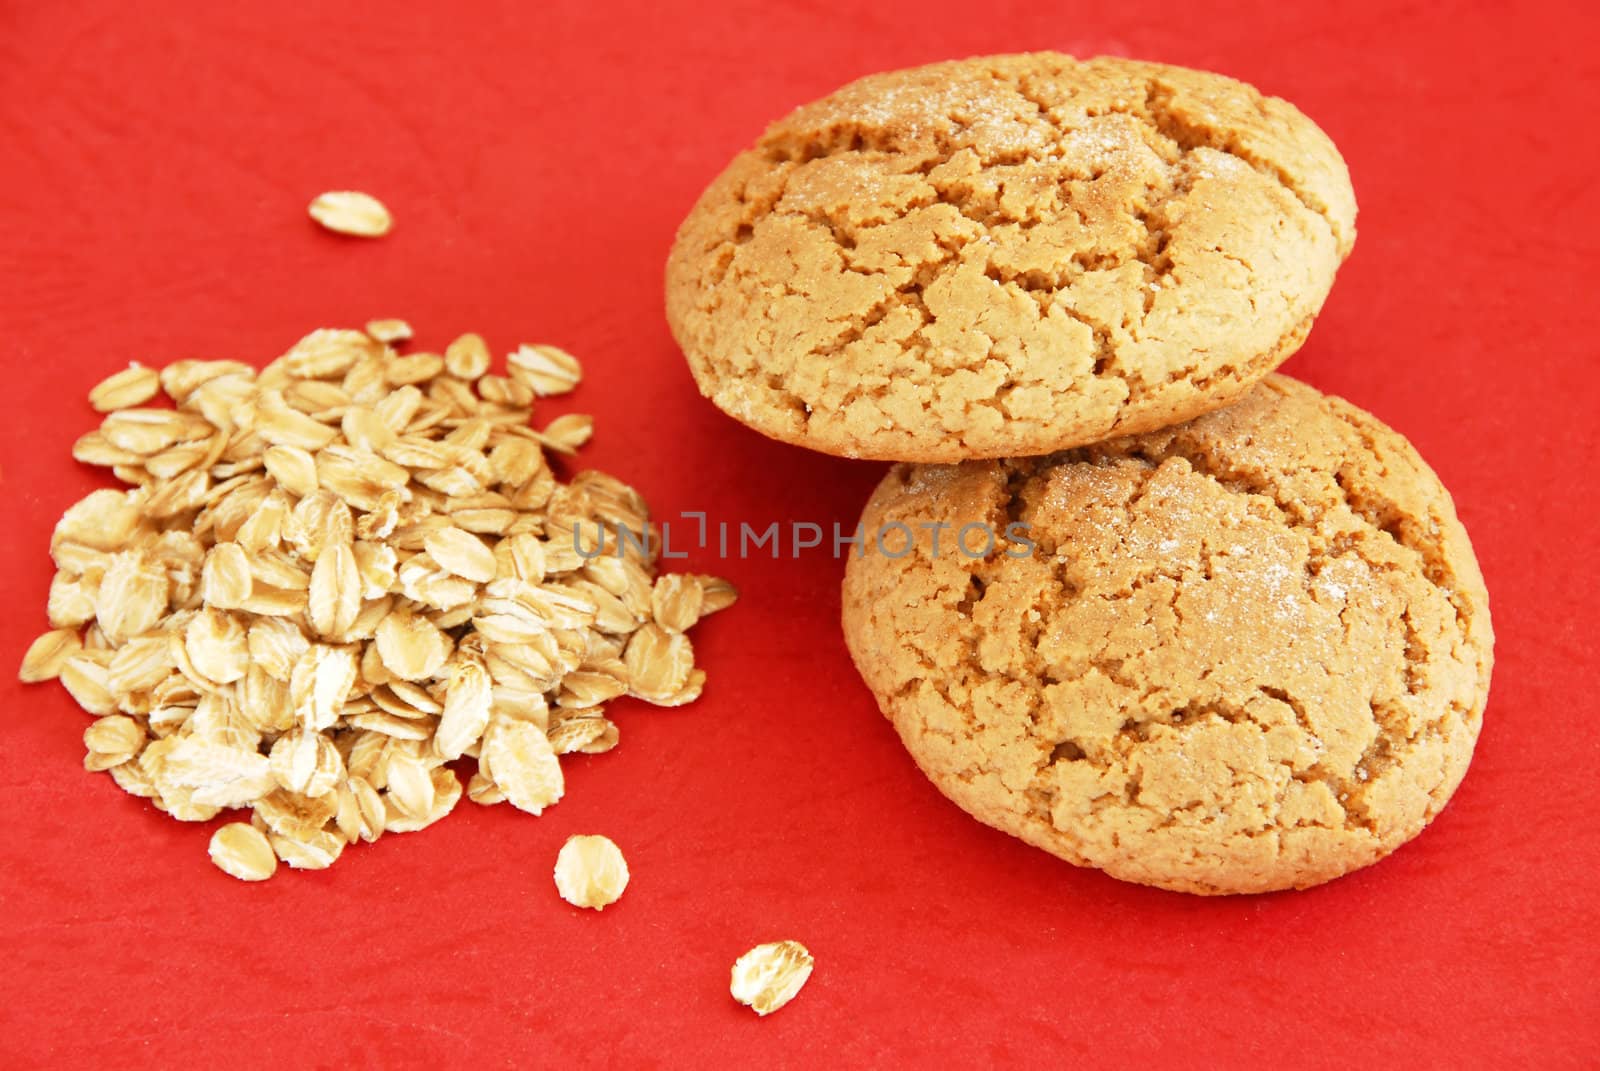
<point x="1006" y="256"/>
<point x="1249" y="652"/>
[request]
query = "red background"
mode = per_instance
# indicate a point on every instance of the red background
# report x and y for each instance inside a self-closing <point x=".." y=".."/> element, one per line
<point x="155" y="161"/>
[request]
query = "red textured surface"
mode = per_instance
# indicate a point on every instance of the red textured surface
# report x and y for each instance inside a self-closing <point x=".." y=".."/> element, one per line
<point x="155" y="161"/>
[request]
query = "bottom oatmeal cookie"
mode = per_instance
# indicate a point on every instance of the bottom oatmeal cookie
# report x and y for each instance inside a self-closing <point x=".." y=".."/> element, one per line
<point x="1246" y="653"/>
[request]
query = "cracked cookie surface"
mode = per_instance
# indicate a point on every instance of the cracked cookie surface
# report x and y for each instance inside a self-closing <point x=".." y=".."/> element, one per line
<point x="1006" y="256"/>
<point x="1246" y="653"/>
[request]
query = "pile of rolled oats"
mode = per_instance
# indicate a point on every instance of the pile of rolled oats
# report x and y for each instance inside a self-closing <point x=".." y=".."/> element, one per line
<point x="332" y="578"/>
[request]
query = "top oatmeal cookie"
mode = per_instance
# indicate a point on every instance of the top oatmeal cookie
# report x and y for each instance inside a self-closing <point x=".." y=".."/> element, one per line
<point x="1007" y="256"/>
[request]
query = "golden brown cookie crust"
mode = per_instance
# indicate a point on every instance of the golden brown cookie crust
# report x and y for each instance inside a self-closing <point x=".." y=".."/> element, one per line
<point x="1008" y="255"/>
<point x="1250" y="652"/>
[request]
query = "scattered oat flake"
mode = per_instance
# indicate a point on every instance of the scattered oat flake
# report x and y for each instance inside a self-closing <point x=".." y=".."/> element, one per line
<point x="483" y="791"/>
<point x="316" y="851"/>
<point x="132" y="386"/>
<point x="588" y="735"/>
<point x="410" y="785"/>
<point x="86" y="679"/>
<point x="545" y="370"/>
<point x="467" y="704"/>
<point x="658" y="661"/>
<point x="389" y="331"/>
<point x="351" y="212"/>
<point x="410" y="646"/>
<point x="676" y="601"/>
<point x="306" y="763"/>
<point x="768" y="976"/>
<point x="241" y="850"/>
<point x="461" y="553"/>
<point x="524" y="765"/>
<point x="717" y="594"/>
<point x="334" y="594"/>
<point x="591" y="872"/>
<point x="467" y="357"/>
<point x="47" y="654"/>
<point x="112" y="741"/>
<point x="565" y="434"/>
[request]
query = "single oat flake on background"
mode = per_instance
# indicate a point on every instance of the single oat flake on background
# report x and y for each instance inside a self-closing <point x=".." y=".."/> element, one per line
<point x="329" y="579"/>
<point x="352" y="212"/>
<point x="591" y="872"/>
<point x="768" y="976"/>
